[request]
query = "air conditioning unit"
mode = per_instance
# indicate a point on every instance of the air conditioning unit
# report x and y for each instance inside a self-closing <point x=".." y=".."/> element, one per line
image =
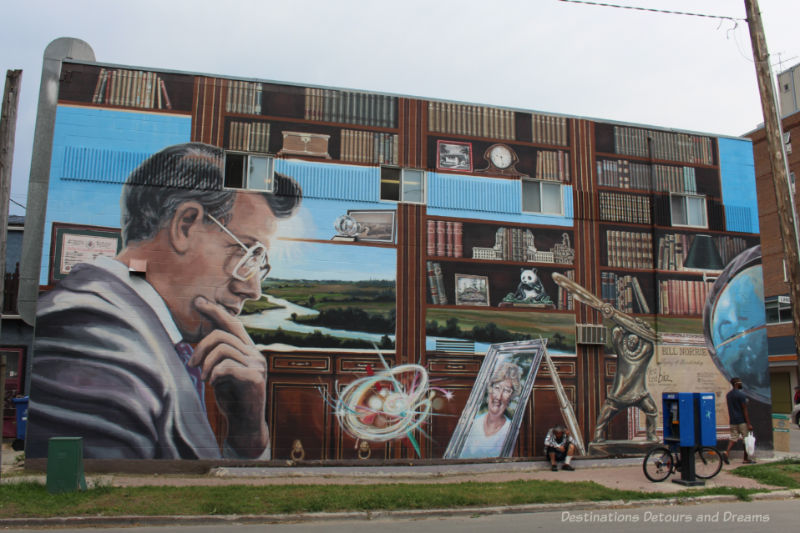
<point x="590" y="333"/>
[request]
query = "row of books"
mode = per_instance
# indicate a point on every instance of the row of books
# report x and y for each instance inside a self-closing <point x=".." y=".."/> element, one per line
<point x="683" y="297"/>
<point x="436" y="283"/>
<point x="243" y="97"/>
<point x="552" y="166"/>
<point x="623" y="292"/>
<point x="369" y="147"/>
<point x="131" y="88"/>
<point x="366" y="109"/>
<point x="549" y="129"/>
<point x="476" y="121"/>
<point x="729" y="247"/>
<point x="564" y="299"/>
<point x="674" y="247"/>
<point x="624" y="208"/>
<point x="629" y="249"/>
<point x="631" y="175"/>
<point x="248" y="136"/>
<point x="445" y="238"/>
<point x="665" y="145"/>
<point x="672" y="250"/>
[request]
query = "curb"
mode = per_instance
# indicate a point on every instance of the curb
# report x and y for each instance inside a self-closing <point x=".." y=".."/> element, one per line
<point x="112" y="521"/>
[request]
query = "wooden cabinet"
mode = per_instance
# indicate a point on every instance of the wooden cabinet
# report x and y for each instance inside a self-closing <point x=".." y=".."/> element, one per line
<point x="302" y="390"/>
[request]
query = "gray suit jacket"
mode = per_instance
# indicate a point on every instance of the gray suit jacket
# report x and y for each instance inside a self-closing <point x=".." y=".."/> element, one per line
<point x="106" y="370"/>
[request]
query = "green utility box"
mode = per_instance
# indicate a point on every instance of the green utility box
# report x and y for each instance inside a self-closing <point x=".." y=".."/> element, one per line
<point x="65" y="465"/>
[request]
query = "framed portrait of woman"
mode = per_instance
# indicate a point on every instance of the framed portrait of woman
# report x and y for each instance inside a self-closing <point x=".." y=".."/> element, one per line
<point x="490" y="422"/>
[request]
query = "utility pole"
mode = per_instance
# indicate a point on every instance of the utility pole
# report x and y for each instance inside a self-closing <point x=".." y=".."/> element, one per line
<point x="777" y="161"/>
<point x="8" y="125"/>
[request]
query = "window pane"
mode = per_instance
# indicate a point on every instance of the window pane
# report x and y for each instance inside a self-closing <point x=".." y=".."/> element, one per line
<point x="390" y="184"/>
<point x="678" y="210"/>
<point x="260" y="173"/>
<point x="771" y="307"/>
<point x="551" y="198"/>
<point x="786" y="314"/>
<point x="13" y="250"/>
<point x="413" y="186"/>
<point x="234" y="170"/>
<point x="696" y="210"/>
<point x="531" y="199"/>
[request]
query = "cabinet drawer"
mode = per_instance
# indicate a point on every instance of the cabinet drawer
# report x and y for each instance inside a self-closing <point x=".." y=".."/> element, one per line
<point x="564" y="369"/>
<point x="296" y="363"/>
<point x="358" y="365"/>
<point x="453" y="366"/>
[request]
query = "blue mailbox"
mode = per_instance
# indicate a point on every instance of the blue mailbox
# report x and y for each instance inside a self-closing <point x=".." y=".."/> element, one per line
<point x="690" y="418"/>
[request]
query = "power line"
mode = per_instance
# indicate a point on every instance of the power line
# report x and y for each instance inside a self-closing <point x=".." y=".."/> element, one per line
<point x="16" y="202"/>
<point x="653" y="10"/>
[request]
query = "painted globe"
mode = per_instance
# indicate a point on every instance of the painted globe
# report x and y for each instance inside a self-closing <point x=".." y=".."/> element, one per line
<point x="735" y="324"/>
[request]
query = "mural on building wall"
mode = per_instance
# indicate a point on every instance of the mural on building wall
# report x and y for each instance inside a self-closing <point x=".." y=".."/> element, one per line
<point x="735" y="324"/>
<point x="140" y="355"/>
<point x="734" y="345"/>
<point x="490" y="422"/>
<point x="195" y="256"/>
<point x="106" y="368"/>
<point x="633" y="341"/>
<point x="387" y="404"/>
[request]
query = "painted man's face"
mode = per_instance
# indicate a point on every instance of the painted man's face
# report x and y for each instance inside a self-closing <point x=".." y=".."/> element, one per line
<point x="213" y="256"/>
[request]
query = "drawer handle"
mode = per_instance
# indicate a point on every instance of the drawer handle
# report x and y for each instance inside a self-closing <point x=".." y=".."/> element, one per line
<point x="451" y="366"/>
<point x="299" y="363"/>
<point x="297" y="453"/>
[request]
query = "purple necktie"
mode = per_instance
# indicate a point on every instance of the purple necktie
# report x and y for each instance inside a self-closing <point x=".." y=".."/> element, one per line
<point x="185" y="351"/>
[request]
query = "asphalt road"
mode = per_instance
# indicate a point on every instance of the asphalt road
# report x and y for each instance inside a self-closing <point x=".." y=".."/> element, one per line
<point x="772" y="515"/>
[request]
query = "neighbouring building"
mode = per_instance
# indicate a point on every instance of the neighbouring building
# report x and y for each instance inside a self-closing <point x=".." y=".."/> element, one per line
<point x="437" y="247"/>
<point x="780" y="330"/>
<point x="16" y="334"/>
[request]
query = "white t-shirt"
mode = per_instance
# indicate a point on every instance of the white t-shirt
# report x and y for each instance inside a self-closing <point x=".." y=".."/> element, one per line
<point x="479" y="445"/>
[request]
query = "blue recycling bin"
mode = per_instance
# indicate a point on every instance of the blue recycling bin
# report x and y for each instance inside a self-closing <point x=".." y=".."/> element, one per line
<point x="21" y="405"/>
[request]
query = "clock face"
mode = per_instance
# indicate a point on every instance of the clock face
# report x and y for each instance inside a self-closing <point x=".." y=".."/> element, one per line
<point x="501" y="156"/>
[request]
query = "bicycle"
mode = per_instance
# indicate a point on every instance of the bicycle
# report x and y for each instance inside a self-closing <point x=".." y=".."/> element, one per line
<point x="660" y="462"/>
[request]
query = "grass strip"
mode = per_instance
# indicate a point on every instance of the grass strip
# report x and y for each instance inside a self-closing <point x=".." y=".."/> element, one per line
<point x="32" y="499"/>
<point x="784" y="473"/>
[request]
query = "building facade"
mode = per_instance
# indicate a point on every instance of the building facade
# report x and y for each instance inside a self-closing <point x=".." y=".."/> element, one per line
<point x="17" y="335"/>
<point x="447" y="263"/>
<point x="782" y="349"/>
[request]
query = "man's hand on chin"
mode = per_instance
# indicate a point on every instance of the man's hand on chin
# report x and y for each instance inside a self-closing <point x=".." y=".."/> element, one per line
<point x="238" y="372"/>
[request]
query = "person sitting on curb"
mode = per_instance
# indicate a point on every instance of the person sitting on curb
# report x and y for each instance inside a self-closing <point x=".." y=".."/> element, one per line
<point x="559" y="446"/>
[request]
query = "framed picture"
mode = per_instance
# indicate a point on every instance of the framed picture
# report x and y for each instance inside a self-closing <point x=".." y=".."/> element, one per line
<point x="71" y="244"/>
<point x="490" y="422"/>
<point x="472" y="290"/>
<point x="374" y="225"/>
<point x="453" y="155"/>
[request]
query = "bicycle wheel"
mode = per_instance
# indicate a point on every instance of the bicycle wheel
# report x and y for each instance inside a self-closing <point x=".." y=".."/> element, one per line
<point x="658" y="464"/>
<point x="707" y="462"/>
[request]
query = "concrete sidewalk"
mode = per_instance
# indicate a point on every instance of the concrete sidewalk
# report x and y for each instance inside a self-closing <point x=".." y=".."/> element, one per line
<point x="622" y="474"/>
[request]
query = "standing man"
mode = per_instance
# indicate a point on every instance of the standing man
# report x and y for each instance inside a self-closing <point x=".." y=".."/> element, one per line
<point x="124" y="346"/>
<point x="558" y="446"/>
<point x="739" y="418"/>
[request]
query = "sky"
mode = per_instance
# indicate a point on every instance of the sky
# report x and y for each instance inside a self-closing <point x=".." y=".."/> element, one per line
<point x="673" y="71"/>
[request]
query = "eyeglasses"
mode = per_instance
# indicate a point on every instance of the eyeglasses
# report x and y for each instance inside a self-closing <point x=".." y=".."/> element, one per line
<point x="253" y="262"/>
<point x="500" y="389"/>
